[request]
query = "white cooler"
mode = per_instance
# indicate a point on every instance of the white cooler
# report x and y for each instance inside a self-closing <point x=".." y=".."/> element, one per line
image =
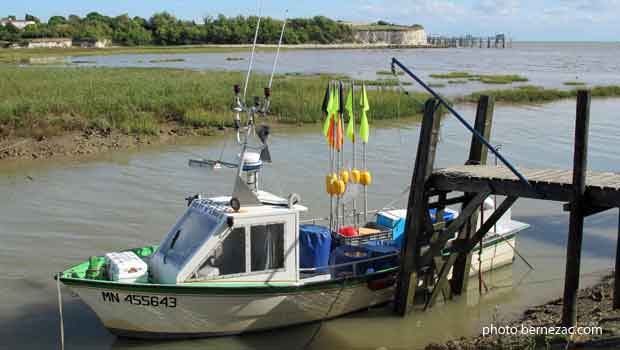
<point x="126" y="267"/>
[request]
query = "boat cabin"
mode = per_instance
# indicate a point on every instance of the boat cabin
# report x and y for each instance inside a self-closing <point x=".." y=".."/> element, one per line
<point x="213" y="242"/>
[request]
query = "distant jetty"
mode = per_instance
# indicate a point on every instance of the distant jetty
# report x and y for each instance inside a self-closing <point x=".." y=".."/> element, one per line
<point x="498" y="41"/>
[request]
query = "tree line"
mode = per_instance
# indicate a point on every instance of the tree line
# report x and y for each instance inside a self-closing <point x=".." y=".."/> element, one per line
<point x="165" y="29"/>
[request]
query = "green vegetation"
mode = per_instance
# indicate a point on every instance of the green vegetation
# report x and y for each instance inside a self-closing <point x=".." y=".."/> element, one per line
<point x="386" y="82"/>
<point x="483" y="78"/>
<point x="452" y="75"/>
<point x="537" y="94"/>
<point x="48" y="101"/>
<point x="165" y="29"/>
<point x="457" y="81"/>
<point x="437" y="85"/>
<point x="25" y="56"/>
<point x="501" y="79"/>
<point x="167" y="60"/>
<point x="574" y="83"/>
<point x="387" y="26"/>
<point x="388" y="72"/>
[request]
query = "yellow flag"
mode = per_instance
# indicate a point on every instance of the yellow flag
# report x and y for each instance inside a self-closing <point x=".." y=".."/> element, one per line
<point x="365" y="106"/>
<point x="349" y="108"/>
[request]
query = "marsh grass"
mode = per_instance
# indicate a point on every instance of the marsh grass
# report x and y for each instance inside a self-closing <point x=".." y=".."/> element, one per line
<point x="386" y="82"/>
<point x="167" y="60"/>
<point x="24" y="55"/>
<point x="502" y="79"/>
<point x="452" y="75"/>
<point x="574" y="83"/>
<point x="457" y="81"/>
<point x="483" y="78"/>
<point x="537" y="94"/>
<point x="139" y="100"/>
<point x="387" y="72"/>
<point x="437" y="85"/>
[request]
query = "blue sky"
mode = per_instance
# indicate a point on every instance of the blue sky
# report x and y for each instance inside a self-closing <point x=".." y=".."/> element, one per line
<point x="567" y="20"/>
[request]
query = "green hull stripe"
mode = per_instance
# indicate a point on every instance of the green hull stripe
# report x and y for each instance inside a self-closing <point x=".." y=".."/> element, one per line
<point x="229" y="288"/>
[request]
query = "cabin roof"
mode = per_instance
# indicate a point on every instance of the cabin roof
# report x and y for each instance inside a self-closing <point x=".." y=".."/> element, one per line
<point x="272" y="205"/>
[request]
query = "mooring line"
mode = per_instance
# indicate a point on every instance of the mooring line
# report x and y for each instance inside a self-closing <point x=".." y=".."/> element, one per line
<point x="62" y="324"/>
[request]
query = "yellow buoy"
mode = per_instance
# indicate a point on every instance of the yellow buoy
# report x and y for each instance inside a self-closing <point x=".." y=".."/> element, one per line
<point x="355" y="176"/>
<point x="344" y="175"/>
<point x="366" y="178"/>
<point x="341" y="187"/>
<point x="329" y="183"/>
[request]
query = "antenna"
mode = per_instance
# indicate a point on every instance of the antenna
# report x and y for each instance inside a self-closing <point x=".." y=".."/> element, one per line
<point x="275" y="61"/>
<point x="251" y="64"/>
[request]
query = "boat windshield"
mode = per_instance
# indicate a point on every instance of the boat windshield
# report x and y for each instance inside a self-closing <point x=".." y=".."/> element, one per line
<point x="188" y="236"/>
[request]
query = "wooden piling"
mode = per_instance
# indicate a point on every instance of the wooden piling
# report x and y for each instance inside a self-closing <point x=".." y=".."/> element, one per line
<point x="416" y="209"/>
<point x="575" y="233"/>
<point x="477" y="156"/>
<point x="617" y="271"/>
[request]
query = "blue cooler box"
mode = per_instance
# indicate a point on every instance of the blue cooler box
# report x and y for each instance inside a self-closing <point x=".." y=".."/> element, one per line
<point x="395" y="219"/>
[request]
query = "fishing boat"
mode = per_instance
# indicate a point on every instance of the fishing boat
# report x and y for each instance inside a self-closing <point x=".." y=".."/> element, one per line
<point x="251" y="260"/>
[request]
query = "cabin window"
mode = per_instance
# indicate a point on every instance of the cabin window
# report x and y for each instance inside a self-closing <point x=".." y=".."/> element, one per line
<point x="229" y="257"/>
<point x="193" y="229"/>
<point x="267" y="247"/>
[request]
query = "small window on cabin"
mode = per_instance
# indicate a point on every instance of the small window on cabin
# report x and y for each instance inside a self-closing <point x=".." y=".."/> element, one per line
<point x="229" y="257"/>
<point x="267" y="247"/>
<point x="226" y="259"/>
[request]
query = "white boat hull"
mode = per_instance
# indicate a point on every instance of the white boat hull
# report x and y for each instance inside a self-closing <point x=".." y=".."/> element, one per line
<point x="197" y="315"/>
<point x="148" y="311"/>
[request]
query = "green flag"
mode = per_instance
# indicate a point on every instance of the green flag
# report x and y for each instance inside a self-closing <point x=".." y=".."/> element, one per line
<point x="329" y="97"/>
<point x="349" y="108"/>
<point x="365" y="106"/>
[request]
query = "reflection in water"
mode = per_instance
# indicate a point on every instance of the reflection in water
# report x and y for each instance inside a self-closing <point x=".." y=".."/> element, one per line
<point x="74" y="209"/>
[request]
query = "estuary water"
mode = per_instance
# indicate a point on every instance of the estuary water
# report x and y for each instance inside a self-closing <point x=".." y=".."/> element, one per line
<point x="544" y="64"/>
<point x="56" y="214"/>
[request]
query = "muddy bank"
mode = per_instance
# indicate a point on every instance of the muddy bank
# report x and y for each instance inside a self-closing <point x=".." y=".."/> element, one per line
<point x="594" y="310"/>
<point x="91" y="142"/>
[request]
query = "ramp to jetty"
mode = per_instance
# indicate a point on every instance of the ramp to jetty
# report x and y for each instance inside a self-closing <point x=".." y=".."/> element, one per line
<point x="427" y="259"/>
<point x="602" y="188"/>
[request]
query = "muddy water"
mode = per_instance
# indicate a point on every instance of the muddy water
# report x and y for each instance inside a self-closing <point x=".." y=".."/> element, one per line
<point x="544" y="64"/>
<point x="56" y="214"/>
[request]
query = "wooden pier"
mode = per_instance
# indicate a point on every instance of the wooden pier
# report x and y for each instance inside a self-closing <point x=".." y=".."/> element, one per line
<point x="497" y="41"/>
<point x="584" y="192"/>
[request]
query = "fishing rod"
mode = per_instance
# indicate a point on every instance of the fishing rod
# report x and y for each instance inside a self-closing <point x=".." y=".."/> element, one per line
<point x="275" y="61"/>
<point x="396" y="62"/>
<point x="251" y="64"/>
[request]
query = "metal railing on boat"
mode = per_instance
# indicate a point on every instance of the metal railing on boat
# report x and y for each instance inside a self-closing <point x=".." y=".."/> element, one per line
<point x="338" y="270"/>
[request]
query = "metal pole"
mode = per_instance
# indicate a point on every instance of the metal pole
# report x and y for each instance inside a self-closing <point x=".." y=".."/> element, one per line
<point x="275" y="61"/>
<point x="462" y="120"/>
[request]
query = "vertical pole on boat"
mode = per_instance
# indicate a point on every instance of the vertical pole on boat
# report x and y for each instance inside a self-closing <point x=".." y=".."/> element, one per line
<point x="353" y="141"/>
<point x="251" y="64"/>
<point x="332" y="161"/>
<point x="577" y="213"/>
<point x="617" y="271"/>
<point x="275" y="61"/>
<point x="364" y="134"/>
<point x="478" y="156"/>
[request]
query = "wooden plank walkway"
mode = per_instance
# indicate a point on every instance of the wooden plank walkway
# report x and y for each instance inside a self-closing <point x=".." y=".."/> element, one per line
<point x="602" y="188"/>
